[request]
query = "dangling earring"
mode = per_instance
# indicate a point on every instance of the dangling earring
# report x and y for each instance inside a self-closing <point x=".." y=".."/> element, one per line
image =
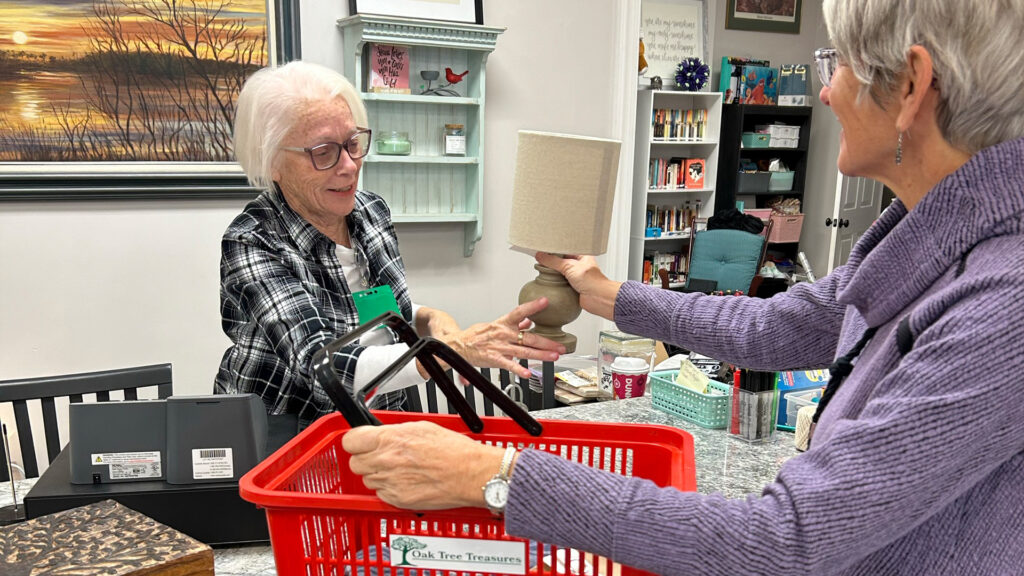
<point x="899" y="149"/>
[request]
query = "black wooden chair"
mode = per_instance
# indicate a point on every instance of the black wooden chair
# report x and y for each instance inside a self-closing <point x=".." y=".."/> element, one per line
<point x="517" y="388"/>
<point x="45" y="390"/>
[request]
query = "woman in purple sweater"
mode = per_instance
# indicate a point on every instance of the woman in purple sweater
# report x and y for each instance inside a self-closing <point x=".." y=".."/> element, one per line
<point x="917" y="463"/>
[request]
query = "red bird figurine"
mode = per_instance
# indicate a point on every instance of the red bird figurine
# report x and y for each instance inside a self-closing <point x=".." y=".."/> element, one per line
<point x="452" y="77"/>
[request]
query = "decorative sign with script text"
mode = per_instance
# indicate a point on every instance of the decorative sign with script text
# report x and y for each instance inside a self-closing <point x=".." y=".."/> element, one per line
<point x="389" y="69"/>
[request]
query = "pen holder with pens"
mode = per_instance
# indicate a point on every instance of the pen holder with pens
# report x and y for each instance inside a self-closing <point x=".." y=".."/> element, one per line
<point x="754" y="406"/>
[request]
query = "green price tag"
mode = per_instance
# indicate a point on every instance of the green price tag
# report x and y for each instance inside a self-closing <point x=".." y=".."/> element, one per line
<point x="374" y="302"/>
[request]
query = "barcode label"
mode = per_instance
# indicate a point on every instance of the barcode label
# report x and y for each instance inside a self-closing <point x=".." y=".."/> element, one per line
<point x="210" y="463"/>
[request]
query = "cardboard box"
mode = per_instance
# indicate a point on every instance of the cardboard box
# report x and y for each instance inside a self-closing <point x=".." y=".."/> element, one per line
<point x="760" y="85"/>
<point x="793" y="85"/>
<point x="797" y="381"/>
<point x="729" y="84"/>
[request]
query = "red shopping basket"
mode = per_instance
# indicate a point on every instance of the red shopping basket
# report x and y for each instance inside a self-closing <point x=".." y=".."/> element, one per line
<point x="324" y="521"/>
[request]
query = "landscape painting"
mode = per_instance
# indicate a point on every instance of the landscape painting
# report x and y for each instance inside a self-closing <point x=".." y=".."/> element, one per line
<point x="125" y="80"/>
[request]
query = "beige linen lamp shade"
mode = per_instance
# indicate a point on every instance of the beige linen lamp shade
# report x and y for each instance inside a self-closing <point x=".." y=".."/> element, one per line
<point x="563" y="193"/>
<point x="562" y="204"/>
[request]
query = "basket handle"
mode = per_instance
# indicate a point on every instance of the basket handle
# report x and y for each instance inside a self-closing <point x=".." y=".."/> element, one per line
<point x="426" y="350"/>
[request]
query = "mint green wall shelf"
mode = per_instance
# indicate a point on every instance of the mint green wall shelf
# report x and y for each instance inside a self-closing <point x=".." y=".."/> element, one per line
<point x="426" y="186"/>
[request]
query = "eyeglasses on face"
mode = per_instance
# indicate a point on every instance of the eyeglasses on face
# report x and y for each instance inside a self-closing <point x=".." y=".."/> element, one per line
<point x="827" y="62"/>
<point x="325" y="156"/>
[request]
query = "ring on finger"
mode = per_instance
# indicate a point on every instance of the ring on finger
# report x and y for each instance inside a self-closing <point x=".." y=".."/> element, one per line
<point x="519" y="339"/>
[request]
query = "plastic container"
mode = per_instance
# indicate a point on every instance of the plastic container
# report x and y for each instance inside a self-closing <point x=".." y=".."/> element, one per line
<point x="394" y="144"/>
<point x="323" y="520"/>
<point x="611" y="344"/>
<point x="778" y="130"/>
<point x="754" y="182"/>
<point x="755" y="140"/>
<point x="763" y="213"/>
<point x="797" y="400"/>
<point x="781" y="181"/>
<point x="786" y="227"/>
<point x="706" y="410"/>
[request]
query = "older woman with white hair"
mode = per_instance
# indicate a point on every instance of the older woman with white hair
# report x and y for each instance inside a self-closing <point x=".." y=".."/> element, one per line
<point x="294" y="257"/>
<point x="917" y="460"/>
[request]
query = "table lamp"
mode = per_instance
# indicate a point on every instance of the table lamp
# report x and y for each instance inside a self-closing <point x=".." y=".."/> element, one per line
<point x="561" y="204"/>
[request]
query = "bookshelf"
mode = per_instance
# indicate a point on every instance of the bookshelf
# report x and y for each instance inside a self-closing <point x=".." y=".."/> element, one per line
<point x="740" y="118"/>
<point x="426" y="186"/>
<point x="656" y="147"/>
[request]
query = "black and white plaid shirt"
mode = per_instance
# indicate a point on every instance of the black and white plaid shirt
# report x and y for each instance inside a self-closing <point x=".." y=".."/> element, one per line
<point x="284" y="296"/>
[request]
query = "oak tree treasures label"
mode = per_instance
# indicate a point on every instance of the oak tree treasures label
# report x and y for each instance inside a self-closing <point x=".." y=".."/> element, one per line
<point x="464" y="555"/>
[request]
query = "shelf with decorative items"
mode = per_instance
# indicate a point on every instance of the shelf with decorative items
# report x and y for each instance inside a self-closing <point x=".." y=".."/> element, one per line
<point x="675" y="167"/>
<point x="425" y="80"/>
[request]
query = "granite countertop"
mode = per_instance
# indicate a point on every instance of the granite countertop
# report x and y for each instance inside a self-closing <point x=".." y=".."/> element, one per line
<point x="726" y="465"/>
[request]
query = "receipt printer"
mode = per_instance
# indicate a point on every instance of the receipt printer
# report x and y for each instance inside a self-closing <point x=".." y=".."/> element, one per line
<point x="182" y="440"/>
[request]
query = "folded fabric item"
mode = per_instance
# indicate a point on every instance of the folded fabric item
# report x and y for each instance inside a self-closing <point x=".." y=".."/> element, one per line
<point x="733" y="219"/>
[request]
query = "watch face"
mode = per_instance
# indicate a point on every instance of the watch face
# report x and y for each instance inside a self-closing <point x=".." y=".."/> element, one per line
<point x="496" y="493"/>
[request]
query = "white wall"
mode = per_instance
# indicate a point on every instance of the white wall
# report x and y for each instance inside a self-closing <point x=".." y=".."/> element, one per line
<point x="92" y="286"/>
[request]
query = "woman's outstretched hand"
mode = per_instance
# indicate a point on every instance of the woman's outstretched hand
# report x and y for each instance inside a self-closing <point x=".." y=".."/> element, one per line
<point x="499" y="343"/>
<point x="597" y="292"/>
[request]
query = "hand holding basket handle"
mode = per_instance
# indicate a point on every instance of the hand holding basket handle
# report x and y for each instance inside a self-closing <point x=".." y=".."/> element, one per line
<point x="427" y="351"/>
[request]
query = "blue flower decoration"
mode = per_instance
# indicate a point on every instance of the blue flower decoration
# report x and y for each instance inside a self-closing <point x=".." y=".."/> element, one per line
<point x="692" y="74"/>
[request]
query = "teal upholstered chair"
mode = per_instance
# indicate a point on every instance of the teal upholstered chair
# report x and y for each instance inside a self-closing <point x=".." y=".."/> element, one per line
<point x="731" y="258"/>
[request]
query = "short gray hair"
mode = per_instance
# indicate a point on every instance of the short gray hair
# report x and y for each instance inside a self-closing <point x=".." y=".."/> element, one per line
<point x="977" y="47"/>
<point x="270" y="103"/>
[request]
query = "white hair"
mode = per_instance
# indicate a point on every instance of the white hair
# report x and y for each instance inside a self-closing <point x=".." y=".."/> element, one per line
<point x="270" y="103"/>
<point x="977" y="48"/>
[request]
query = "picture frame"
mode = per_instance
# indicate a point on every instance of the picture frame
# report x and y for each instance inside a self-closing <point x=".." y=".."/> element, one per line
<point x="468" y="11"/>
<point x="660" y="24"/>
<point x="779" y="16"/>
<point x="79" y="160"/>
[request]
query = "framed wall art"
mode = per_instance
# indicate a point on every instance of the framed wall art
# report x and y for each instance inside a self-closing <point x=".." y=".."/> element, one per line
<point x="672" y="30"/>
<point x="471" y="11"/>
<point x="130" y="98"/>
<point x="763" y="15"/>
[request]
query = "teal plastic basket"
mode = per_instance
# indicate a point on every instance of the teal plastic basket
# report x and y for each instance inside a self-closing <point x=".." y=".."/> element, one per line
<point x="707" y="410"/>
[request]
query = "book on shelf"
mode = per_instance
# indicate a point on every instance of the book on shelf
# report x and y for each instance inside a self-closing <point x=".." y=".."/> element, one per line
<point x="673" y="262"/>
<point x="694" y="173"/>
<point x="389" y="69"/>
<point x="672" y="219"/>
<point x="674" y="173"/>
<point x="679" y="124"/>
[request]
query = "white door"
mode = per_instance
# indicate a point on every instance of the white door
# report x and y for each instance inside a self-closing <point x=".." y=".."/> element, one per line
<point x="858" y="204"/>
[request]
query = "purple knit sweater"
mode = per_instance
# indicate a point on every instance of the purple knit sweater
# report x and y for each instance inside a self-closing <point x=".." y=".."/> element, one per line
<point x="917" y="465"/>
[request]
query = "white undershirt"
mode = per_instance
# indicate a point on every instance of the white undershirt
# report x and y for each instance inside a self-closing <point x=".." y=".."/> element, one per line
<point x="379" y="353"/>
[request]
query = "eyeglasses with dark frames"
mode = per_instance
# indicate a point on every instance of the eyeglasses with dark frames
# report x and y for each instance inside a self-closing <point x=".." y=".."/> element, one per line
<point x="427" y="350"/>
<point x="827" y="62"/>
<point x="325" y="156"/>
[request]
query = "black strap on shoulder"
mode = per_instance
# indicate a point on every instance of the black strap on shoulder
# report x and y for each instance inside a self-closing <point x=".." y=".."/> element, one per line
<point x="904" y="337"/>
<point x="840" y="369"/>
<point x="963" y="262"/>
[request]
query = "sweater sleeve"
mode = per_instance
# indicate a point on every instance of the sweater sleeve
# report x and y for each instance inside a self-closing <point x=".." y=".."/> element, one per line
<point x="927" y="437"/>
<point x="797" y="329"/>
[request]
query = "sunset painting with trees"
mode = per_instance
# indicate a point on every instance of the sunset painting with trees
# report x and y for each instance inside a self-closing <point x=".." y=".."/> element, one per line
<point x="135" y="80"/>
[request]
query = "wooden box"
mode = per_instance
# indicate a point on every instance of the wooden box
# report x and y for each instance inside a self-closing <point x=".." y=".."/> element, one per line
<point x="102" y="538"/>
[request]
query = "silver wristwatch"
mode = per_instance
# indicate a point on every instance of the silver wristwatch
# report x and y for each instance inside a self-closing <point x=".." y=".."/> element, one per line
<point x="496" y="489"/>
